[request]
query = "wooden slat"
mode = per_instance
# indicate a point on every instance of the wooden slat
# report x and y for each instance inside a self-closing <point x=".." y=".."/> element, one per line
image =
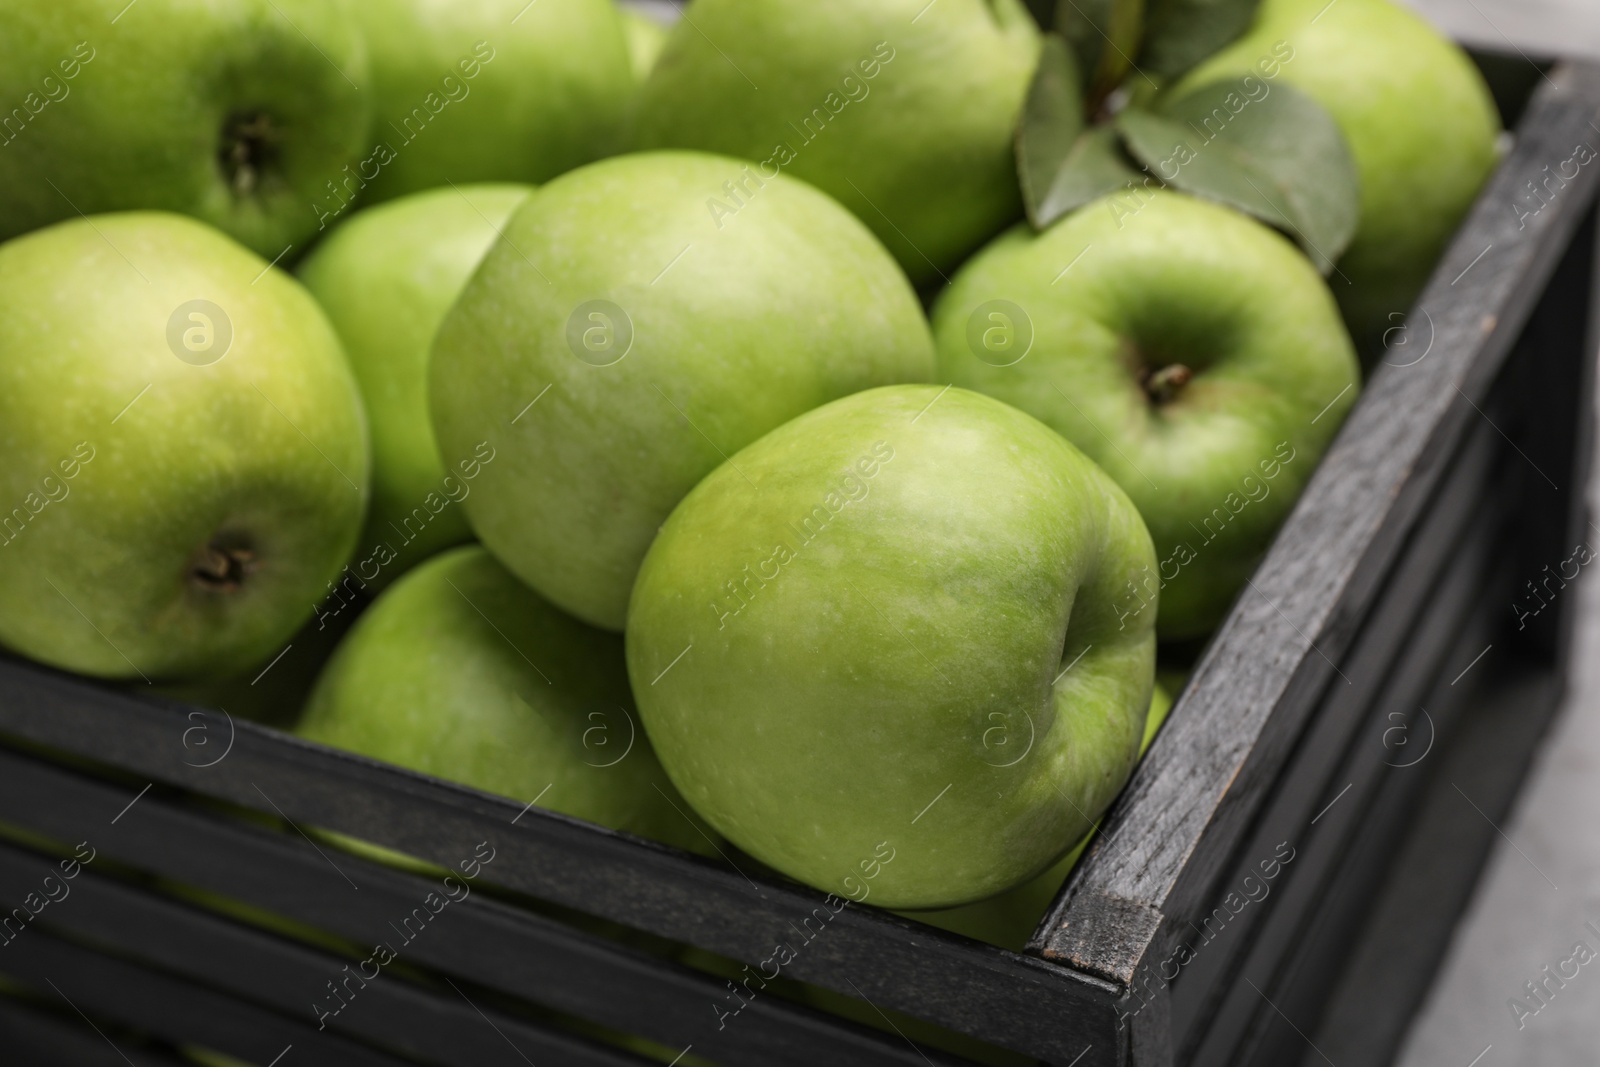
<point x="105" y="988"/>
<point x="511" y="949"/>
<point x="440" y="1026"/>
<point x="36" y="1038"/>
<point x="1030" y="1005"/>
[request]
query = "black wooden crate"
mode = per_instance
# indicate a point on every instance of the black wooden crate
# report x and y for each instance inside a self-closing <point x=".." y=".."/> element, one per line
<point x="1370" y="706"/>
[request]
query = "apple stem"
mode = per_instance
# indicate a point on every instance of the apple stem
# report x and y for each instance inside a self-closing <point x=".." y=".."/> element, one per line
<point x="222" y="570"/>
<point x="248" y="144"/>
<point x="1164" y="385"/>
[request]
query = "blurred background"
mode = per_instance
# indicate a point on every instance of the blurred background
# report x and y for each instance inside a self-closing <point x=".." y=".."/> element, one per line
<point x="1543" y="884"/>
<point x="1552" y="27"/>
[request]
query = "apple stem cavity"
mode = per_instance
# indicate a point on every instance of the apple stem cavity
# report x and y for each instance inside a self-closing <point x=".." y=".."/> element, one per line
<point x="249" y="145"/>
<point x="221" y="568"/>
<point x="1164" y="386"/>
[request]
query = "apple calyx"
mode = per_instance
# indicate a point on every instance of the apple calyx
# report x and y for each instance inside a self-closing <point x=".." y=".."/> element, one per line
<point x="220" y="568"/>
<point x="249" y="145"/>
<point x="1163" y="386"/>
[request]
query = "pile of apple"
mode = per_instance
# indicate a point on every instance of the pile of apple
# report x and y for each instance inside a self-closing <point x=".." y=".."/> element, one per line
<point x="791" y="432"/>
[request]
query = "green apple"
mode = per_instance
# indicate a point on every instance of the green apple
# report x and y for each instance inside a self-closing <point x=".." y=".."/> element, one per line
<point x="238" y="114"/>
<point x="386" y="279"/>
<point x="880" y="648"/>
<point x="491" y="90"/>
<point x="1421" y="126"/>
<point x="1193" y="353"/>
<point x="1009" y="919"/>
<point x="623" y="338"/>
<point x="646" y="36"/>
<point x="183" y="453"/>
<point x="461" y="672"/>
<point x="903" y="110"/>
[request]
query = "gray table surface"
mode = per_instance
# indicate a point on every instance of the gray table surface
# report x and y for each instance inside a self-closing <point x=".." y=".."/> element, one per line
<point x="1556" y="27"/>
<point x="1542" y="884"/>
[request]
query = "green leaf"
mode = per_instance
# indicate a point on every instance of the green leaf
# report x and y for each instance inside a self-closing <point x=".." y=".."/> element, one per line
<point x="1095" y="167"/>
<point x="1180" y="33"/>
<point x="1052" y="119"/>
<point x="1105" y="35"/>
<point x="1061" y="161"/>
<point x="1264" y="148"/>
